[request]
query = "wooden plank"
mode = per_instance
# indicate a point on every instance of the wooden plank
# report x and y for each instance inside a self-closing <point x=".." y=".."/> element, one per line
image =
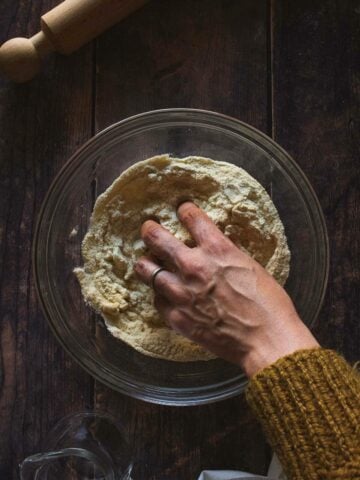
<point x="316" y="73"/>
<point x="41" y="124"/>
<point x="204" y="54"/>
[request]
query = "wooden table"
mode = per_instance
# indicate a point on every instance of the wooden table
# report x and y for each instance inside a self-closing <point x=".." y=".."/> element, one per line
<point x="290" y="71"/>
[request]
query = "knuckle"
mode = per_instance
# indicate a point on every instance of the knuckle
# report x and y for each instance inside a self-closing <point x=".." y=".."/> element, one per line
<point x="219" y="247"/>
<point x="179" y="294"/>
<point x="192" y="267"/>
<point x="197" y="271"/>
<point x="173" y="290"/>
<point x="187" y="264"/>
<point x="161" y="282"/>
<point x="197" y="333"/>
<point x="177" y="321"/>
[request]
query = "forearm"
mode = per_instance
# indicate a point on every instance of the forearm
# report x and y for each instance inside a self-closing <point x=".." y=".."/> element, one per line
<point x="218" y="296"/>
<point x="309" y="406"/>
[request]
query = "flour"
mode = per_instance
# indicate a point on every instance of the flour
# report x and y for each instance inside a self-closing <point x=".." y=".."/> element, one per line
<point x="153" y="188"/>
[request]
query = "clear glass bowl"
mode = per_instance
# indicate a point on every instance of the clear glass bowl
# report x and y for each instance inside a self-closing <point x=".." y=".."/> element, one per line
<point x="64" y="219"/>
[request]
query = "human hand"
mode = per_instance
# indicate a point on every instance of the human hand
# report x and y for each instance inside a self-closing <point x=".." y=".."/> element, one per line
<point x="218" y="296"/>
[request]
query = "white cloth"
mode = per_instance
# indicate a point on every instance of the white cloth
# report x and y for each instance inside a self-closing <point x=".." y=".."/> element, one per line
<point x="227" y="475"/>
<point x="275" y="472"/>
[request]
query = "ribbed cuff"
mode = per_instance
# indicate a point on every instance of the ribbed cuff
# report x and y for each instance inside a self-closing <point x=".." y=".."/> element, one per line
<point x="309" y="406"/>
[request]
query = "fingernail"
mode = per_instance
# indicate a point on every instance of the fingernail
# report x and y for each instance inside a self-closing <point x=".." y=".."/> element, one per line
<point x="182" y="200"/>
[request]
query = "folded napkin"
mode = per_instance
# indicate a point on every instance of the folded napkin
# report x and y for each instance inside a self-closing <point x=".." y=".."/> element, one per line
<point x="275" y="472"/>
<point x="227" y="475"/>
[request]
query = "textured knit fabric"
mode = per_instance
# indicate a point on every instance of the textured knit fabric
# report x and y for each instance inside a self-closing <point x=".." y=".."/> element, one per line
<point x="309" y="406"/>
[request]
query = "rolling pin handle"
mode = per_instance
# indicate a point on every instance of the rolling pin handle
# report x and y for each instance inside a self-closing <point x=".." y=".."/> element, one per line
<point x="20" y="58"/>
<point x="64" y="29"/>
<point x="42" y="44"/>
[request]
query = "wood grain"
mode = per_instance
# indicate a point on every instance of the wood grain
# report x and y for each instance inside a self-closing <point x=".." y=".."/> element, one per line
<point x="204" y="54"/>
<point x="316" y="117"/>
<point x="290" y="70"/>
<point x="41" y="124"/>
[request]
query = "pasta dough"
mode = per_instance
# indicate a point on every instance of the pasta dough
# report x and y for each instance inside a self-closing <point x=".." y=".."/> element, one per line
<point x="153" y="188"/>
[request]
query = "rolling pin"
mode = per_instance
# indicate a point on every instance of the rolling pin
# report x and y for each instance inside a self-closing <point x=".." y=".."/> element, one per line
<point x="64" y="29"/>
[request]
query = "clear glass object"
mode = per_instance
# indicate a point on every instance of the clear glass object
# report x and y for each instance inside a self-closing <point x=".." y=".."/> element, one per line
<point x="64" y="219"/>
<point x="84" y="446"/>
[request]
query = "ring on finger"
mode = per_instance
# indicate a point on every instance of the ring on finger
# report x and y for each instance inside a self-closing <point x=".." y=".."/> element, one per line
<point x="154" y="275"/>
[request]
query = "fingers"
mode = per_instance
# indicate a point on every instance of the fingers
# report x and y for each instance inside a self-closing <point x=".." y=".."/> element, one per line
<point x="164" y="307"/>
<point x="163" y="244"/>
<point x="176" y="319"/>
<point x="170" y="297"/>
<point x="166" y="283"/>
<point x="202" y="228"/>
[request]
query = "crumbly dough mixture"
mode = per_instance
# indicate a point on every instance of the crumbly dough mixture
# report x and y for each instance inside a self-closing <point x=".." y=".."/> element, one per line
<point x="153" y="188"/>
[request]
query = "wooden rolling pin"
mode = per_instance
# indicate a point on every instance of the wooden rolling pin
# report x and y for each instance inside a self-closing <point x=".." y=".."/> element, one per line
<point x="64" y="29"/>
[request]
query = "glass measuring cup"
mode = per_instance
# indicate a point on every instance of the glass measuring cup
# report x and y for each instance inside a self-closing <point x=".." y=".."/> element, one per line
<point x="84" y="446"/>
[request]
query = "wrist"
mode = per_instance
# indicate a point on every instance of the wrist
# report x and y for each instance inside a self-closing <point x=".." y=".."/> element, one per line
<point x="267" y="348"/>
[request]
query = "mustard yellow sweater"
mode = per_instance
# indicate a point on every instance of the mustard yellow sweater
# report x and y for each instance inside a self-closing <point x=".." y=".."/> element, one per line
<point x="309" y="406"/>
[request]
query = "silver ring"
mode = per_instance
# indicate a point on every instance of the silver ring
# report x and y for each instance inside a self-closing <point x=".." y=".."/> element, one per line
<point x="154" y="275"/>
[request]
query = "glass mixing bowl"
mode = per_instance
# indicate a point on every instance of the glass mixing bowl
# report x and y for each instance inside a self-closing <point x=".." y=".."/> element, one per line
<point x="64" y="220"/>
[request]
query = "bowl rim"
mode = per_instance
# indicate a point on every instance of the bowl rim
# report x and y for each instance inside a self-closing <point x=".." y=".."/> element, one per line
<point x="141" y="391"/>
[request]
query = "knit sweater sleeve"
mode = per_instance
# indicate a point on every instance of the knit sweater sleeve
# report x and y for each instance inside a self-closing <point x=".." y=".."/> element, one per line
<point x="309" y="406"/>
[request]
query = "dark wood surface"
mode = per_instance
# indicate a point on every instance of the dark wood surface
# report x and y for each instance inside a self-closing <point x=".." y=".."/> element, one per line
<point x="290" y="69"/>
